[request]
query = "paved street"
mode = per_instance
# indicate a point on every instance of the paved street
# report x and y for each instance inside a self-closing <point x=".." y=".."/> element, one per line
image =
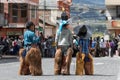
<point x="105" y="69"/>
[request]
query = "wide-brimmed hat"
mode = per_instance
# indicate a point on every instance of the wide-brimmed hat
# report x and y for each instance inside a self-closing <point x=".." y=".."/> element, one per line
<point x="87" y="34"/>
<point x="82" y="31"/>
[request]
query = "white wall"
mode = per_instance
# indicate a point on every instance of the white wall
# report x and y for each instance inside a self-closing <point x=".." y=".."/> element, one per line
<point x="112" y="2"/>
<point x="111" y="11"/>
<point x="48" y="32"/>
<point x="50" y="4"/>
<point x="53" y="16"/>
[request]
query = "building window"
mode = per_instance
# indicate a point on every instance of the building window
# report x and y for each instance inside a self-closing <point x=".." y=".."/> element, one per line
<point x="118" y="11"/>
<point x="23" y="8"/>
<point x="15" y="12"/>
<point x="33" y="11"/>
<point x="1" y="8"/>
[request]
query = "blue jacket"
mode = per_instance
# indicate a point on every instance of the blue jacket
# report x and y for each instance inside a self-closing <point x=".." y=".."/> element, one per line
<point x="30" y="38"/>
<point x="84" y="43"/>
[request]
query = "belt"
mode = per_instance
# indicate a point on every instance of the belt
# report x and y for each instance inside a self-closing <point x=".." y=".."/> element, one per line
<point x="28" y="45"/>
<point x="61" y="46"/>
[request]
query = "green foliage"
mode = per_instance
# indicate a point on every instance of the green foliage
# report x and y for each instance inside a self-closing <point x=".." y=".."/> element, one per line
<point x="96" y="34"/>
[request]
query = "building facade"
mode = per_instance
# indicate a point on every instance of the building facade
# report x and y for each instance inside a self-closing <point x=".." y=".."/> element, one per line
<point x="65" y="4"/>
<point x="47" y="16"/>
<point x="113" y="16"/>
<point x="2" y="19"/>
<point x="15" y="15"/>
<point x="52" y="10"/>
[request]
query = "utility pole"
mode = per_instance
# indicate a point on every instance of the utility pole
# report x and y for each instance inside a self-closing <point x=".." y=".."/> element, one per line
<point x="0" y="10"/>
<point x="44" y="17"/>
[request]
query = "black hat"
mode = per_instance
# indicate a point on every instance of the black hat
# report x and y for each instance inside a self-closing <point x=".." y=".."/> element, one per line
<point x="29" y="24"/>
<point x="82" y="31"/>
<point x="64" y="16"/>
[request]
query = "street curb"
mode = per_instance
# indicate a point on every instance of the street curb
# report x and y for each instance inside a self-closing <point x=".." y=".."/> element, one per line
<point x="9" y="57"/>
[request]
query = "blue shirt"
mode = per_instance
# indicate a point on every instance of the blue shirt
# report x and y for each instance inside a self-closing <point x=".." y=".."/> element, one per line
<point x="84" y="44"/>
<point x="30" y="38"/>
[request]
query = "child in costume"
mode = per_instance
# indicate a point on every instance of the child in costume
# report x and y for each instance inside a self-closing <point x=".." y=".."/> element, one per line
<point x="30" y="55"/>
<point x="84" y="55"/>
<point x="64" y="50"/>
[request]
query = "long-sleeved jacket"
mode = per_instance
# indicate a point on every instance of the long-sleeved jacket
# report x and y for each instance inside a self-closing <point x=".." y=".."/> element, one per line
<point x="64" y="38"/>
<point x="30" y="38"/>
